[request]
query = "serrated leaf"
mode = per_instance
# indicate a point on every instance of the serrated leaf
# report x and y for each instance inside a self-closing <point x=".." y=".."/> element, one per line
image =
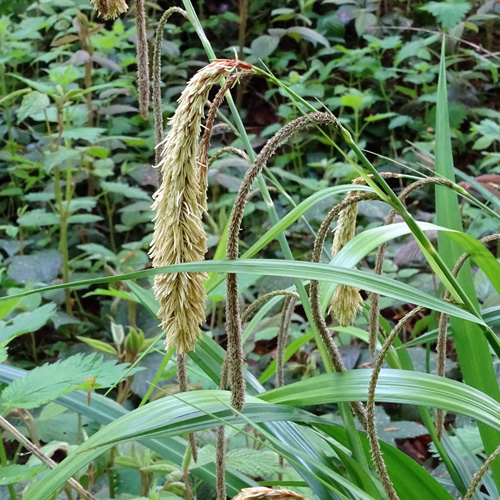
<point x="25" y="322"/>
<point x="50" y="381"/>
<point x="32" y="103"/>
<point x="37" y="218"/>
<point x="448" y="14"/>
<point x="125" y="190"/>
<point x="97" y="251"/>
<point x="43" y="267"/>
<point x="254" y="463"/>
<point x="90" y="134"/>
<point x="59" y="157"/>
<point x="10" y="474"/>
<point x="98" y="152"/>
<point x="83" y="218"/>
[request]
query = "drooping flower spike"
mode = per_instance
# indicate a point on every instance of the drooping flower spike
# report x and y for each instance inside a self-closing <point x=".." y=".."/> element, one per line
<point x="261" y="493"/>
<point x="110" y="9"/>
<point x="178" y="234"/>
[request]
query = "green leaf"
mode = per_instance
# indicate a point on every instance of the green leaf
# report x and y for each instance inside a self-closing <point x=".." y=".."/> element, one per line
<point x="90" y="134"/>
<point x="25" y="322"/>
<point x="38" y="218"/>
<point x="10" y="474"/>
<point x="83" y="218"/>
<point x="125" y="190"/>
<point x="32" y="103"/>
<point x="59" y="158"/>
<point x="309" y="34"/>
<point x="98" y="345"/>
<point x="448" y="13"/>
<point x="97" y="251"/>
<point x="50" y="381"/>
<point x="263" y="46"/>
<point x="252" y="462"/>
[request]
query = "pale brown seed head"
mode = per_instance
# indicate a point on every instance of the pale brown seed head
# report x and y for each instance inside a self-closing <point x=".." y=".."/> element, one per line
<point x="110" y="9"/>
<point x="346" y="301"/>
<point x="261" y="493"/>
<point x="179" y="235"/>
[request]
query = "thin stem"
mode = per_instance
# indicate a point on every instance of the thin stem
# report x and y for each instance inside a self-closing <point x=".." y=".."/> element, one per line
<point x="142" y="58"/>
<point x="4" y="462"/>
<point x="480" y="473"/>
<point x="156" y="82"/>
<point x="370" y="407"/>
<point x="286" y="319"/>
<point x="41" y="456"/>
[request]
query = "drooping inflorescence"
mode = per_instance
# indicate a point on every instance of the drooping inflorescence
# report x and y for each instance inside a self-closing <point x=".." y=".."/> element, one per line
<point x="262" y="493"/>
<point x="110" y="9"/>
<point x="178" y="234"/>
<point x="346" y="300"/>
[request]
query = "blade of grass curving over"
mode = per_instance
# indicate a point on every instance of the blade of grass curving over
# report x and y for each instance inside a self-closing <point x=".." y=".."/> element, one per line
<point x="396" y="386"/>
<point x="292" y="269"/>
<point x="472" y="348"/>
<point x="104" y="411"/>
<point x="166" y="417"/>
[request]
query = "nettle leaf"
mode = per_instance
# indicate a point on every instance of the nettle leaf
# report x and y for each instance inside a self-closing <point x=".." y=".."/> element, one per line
<point x="25" y="322"/>
<point x="32" y="103"/>
<point x="263" y="46"/>
<point x="449" y="14"/>
<point x="42" y="267"/>
<point x="37" y="218"/>
<point x="97" y="251"/>
<point x="59" y="157"/>
<point x="15" y="473"/>
<point x="90" y="134"/>
<point x="253" y="463"/>
<point x="50" y="381"/>
<point x="125" y="190"/>
<point x="84" y="218"/>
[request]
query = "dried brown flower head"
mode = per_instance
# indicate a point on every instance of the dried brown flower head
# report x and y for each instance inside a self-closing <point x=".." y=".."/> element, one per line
<point x="261" y="493"/>
<point x="178" y="234"/>
<point x="110" y="9"/>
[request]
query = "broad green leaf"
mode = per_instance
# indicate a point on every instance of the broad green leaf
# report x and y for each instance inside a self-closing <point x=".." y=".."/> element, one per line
<point x="264" y="45"/>
<point x="308" y="34"/>
<point x="10" y="474"/>
<point x="32" y="103"/>
<point x="448" y="13"/>
<point x="50" y="381"/>
<point x="59" y="158"/>
<point x="125" y="190"/>
<point x="90" y="134"/>
<point x="25" y="322"/>
<point x="83" y="218"/>
<point x="38" y="218"/>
